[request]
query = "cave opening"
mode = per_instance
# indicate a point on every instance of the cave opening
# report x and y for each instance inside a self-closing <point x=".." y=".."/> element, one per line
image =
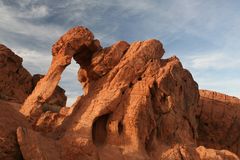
<point x="99" y="130"/>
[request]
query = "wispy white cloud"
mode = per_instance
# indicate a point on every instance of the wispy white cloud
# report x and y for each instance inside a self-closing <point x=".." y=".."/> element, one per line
<point x="34" y="61"/>
<point x="72" y="97"/>
<point x="11" y="21"/>
<point x="70" y="83"/>
<point x="212" y="60"/>
<point x="27" y="9"/>
<point x="35" y="11"/>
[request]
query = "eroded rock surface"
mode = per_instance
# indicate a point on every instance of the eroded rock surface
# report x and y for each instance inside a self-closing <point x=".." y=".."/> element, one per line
<point x="136" y="106"/>
<point x="183" y="152"/>
<point x="57" y="100"/>
<point x="10" y="120"/>
<point x="219" y="121"/>
<point x="15" y="81"/>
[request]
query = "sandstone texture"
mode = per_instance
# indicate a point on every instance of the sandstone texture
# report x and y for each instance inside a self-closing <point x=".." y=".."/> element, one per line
<point x="135" y="106"/>
<point x="10" y="120"/>
<point x="219" y="121"/>
<point x="57" y="100"/>
<point x="15" y="81"/>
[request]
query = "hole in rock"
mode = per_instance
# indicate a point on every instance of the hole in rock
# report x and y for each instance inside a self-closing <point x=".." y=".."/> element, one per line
<point x="99" y="130"/>
<point x="130" y="85"/>
<point x="163" y="97"/>
<point x="83" y="56"/>
<point x="69" y="82"/>
<point x="120" y="127"/>
<point x="139" y="78"/>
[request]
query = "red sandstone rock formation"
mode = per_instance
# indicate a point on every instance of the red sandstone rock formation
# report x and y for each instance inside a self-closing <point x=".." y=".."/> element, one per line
<point x="15" y="81"/>
<point x="219" y="121"/>
<point x="57" y="100"/>
<point x="136" y="106"/>
<point x="77" y="40"/>
<point x="10" y="120"/>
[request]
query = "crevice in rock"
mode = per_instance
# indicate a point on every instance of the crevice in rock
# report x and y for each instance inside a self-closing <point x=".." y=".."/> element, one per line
<point x="120" y="127"/>
<point x="149" y="141"/>
<point x="180" y="153"/>
<point x="163" y="97"/>
<point x="191" y="126"/>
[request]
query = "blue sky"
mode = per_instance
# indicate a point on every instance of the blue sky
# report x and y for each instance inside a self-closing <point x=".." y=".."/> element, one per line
<point x="205" y="35"/>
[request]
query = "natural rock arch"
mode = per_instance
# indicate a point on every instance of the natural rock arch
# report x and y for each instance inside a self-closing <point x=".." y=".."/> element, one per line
<point x="77" y="43"/>
<point x="145" y="106"/>
<point x="121" y="80"/>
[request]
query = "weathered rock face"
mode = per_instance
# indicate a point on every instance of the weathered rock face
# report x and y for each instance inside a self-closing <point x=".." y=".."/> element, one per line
<point x="15" y="81"/>
<point x="182" y="152"/>
<point x="10" y="119"/>
<point x="219" y="121"/>
<point x="58" y="99"/>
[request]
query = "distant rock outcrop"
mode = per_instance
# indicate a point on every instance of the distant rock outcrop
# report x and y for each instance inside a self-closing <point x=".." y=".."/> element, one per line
<point x="136" y="106"/>
<point x="219" y="121"/>
<point x="15" y="81"/>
